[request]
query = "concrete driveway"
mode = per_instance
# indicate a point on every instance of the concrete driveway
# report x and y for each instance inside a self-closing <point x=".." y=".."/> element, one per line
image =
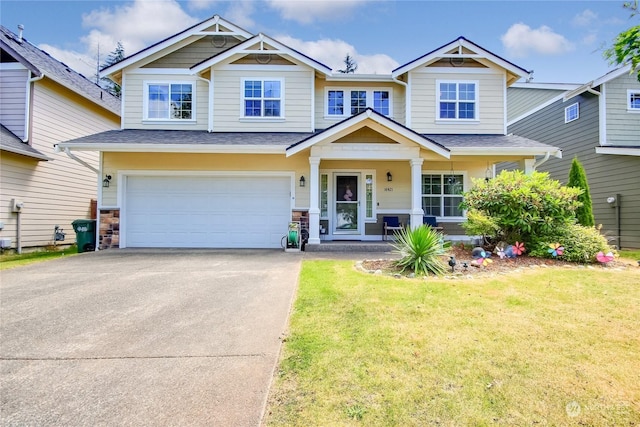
<point x="143" y="337"/>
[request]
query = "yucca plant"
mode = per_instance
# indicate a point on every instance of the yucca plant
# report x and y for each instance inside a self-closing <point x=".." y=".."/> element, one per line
<point x="420" y="250"/>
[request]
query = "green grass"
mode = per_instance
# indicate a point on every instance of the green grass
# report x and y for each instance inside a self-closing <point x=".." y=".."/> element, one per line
<point x="631" y="254"/>
<point x="14" y="260"/>
<point x="546" y="347"/>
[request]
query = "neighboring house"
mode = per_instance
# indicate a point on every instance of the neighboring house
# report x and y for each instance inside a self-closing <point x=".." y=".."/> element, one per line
<point x="599" y="123"/>
<point x="43" y="102"/>
<point x="227" y="136"/>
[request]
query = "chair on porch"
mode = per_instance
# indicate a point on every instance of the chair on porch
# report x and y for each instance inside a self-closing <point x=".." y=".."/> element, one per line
<point x="431" y="221"/>
<point x="390" y="223"/>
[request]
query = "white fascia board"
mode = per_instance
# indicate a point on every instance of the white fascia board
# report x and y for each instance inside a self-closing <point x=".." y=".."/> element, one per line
<point x="372" y="78"/>
<point x="354" y="121"/>
<point x="502" y="151"/>
<point x="26" y="153"/>
<point x="281" y="49"/>
<point x="621" y="151"/>
<point x="546" y="86"/>
<point x="612" y="75"/>
<point x="198" y="30"/>
<point x="176" y="148"/>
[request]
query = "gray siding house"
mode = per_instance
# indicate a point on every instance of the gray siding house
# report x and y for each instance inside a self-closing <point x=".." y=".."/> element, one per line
<point x="599" y="123"/>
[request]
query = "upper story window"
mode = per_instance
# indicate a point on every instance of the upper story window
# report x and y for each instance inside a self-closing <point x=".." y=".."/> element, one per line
<point x="262" y="98"/>
<point x="359" y="100"/>
<point x="169" y="101"/>
<point x="442" y="194"/>
<point x="457" y="100"/>
<point x="572" y="112"/>
<point x="633" y="99"/>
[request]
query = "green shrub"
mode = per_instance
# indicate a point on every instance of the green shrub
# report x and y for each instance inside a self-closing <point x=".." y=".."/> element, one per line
<point x="420" y="250"/>
<point x="581" y="244"/>
<point x="578" y="179"/>
<point x="522" y="206"/>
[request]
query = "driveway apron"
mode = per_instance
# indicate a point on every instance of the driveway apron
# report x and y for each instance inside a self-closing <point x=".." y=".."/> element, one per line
<point x="143" y="337"/>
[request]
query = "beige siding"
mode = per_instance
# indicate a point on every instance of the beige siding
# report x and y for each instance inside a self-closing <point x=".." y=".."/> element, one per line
<point x="60" y="190"/>
<point x="397" y="97"/>
<point x="490" y="103"/>
<point x="134" y="103"/>
<point x="623" y="127"/>
<point x="192" y="54"/>
<point x="13" y="100"/>
<point x="228" y="105"/>
<point x="114" y="162"/>
<point x="523" y="100"/>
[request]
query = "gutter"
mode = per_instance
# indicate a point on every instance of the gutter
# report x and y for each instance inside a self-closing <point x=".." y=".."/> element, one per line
<point x="77" y="159"/>
<point x="27" y="119"/>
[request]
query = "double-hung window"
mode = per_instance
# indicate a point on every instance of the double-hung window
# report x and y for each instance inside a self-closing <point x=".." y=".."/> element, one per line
<point x="457" y="100"/>
<point x="169" y="101"/>
<point x="633" y="100"/>
<point x="343" y="103"/>
<point x="442" y="194"/>
<point x="262" y="98"/>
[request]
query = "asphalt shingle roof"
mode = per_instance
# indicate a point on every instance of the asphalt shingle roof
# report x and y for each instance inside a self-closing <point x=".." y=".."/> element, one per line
<point x="40" y="62"/>
<point x="488" y="141"/>
<point x="10" y="142"/>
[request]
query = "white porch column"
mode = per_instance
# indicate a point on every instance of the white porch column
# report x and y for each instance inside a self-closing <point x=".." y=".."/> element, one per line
<point x="417" y="213"/>
<point x="527" y="165"/>
<point x="314" y="196"/>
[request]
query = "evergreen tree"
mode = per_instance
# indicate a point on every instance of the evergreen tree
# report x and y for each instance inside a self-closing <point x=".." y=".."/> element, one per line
<point x="116" y="56"/>
<point x="578" y="179"/>
<point x="350" y="65"/>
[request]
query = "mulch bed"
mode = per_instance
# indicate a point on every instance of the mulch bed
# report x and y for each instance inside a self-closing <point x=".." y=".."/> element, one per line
<point x="497" y="267"/>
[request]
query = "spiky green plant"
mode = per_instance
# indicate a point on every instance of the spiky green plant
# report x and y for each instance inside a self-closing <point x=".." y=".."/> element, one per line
<point x="420" y="250"/>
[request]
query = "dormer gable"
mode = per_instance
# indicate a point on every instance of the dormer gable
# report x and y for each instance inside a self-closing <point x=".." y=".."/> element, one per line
<point x="463" y="53"/>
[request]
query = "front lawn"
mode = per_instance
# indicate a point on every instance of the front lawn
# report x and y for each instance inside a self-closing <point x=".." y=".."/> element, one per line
<point x="11" y="260"/>
<point x="556" y="346"/>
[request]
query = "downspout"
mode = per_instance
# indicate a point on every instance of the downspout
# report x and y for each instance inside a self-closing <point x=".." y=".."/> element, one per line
<point x="77" y="159"/>
<point x="210" y="103"/>
<point x="544" y="159"/>
<point x="407" y="97"/>
<point x="27" y="116"/>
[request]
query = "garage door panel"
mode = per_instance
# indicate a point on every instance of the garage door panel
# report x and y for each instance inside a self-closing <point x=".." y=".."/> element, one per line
<point x="214" y="211"/>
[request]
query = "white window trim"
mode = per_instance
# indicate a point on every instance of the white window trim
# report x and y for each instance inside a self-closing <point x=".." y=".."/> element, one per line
<point x="465" y="188"/>
<point x="475" y="120"/>
<point x="347" y="100"/>
<point x="566" y="111"/>
<point x="279" y="118"/>
<point x="629" y="93"/>
<point x="145" y="100"/>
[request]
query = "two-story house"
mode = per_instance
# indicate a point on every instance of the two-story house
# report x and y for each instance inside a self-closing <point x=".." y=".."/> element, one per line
<point x="599" y="123"/>
<point x="226" y="136"/>
<point x="43" y="102"/>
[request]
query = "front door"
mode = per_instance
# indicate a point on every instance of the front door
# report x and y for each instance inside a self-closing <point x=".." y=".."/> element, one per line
<point x="347" y="204"/>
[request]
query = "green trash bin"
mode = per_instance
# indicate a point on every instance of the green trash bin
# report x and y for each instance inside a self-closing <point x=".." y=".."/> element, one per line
<point x="85" y="234"/>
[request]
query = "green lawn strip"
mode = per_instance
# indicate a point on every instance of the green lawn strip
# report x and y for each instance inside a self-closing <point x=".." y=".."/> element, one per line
<point x="16" y="260"/>
<point x="511" y="350"/>
<point x="631" y="254"/>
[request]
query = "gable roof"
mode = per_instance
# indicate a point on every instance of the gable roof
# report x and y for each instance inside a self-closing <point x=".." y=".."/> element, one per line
<point x="360" y="118"/>
<point x="588" y="87"/>
<point x="472" y="144"/>
<point x="461" y="42"/>
<point x="194" y="30"/>
<point x="262" y="39"/>
<point x="41" y="63"/>
<point x="11" y="143"/>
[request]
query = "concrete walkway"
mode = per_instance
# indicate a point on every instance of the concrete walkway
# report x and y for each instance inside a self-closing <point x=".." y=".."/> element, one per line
<point x="143" y="337"/>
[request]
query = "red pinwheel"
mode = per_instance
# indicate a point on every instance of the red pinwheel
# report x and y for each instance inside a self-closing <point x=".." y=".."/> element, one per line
<point x="602" y="258"/>
<point x="556" y="249"/>
<point x="518" y="249"/>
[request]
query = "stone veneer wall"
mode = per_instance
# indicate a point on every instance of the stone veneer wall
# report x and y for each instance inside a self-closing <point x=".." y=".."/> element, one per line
<point x="109" y="229"/>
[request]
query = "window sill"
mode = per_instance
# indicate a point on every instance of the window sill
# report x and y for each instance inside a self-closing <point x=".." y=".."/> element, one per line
<point x="169" y="121"/>
<point x="457" y="122"/>
<point x="262" y="119"/>
<point x="633" y="110"/>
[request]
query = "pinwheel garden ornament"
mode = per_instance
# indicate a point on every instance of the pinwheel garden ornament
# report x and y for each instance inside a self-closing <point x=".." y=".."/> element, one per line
<point x="500" y="251"/>
<point x="604" y="259"/>
<point x="518" y="249"/>
<point x="555" y="249"/>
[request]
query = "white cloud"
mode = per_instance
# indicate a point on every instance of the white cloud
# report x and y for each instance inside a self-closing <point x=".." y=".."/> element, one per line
<point x="82" y="63"/>
<point x="590" y="39"/>
<point x="585" y="18"/>
<point x="332" y="54"/>
<point x="307" y="11"/>
<point x="520" y="40"/>
<point x="239" y="13"/>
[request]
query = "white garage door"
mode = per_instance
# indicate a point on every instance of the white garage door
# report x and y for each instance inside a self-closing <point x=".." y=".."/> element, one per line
<point x="206" y="211"/>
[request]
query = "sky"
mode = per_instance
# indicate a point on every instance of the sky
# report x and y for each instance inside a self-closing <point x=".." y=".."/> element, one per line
<point x="561" y="41"/>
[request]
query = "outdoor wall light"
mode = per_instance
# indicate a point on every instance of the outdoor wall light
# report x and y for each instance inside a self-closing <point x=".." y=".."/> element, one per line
<point x="302" y="181"/>
<point x="106" y="181"/>
<point x="389" y="177"/>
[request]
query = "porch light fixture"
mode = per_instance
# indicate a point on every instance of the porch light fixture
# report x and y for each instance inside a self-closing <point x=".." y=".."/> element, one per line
<point x="106" y="181"/>
<point x="389" y="177"/>
<point x="302" y="181"/>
